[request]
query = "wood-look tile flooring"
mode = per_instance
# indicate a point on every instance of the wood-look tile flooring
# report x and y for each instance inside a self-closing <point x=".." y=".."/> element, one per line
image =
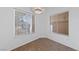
<point x="43" y="44"/>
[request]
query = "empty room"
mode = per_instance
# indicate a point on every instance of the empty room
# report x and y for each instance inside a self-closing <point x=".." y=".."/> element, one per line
<point x="39" y="28"/>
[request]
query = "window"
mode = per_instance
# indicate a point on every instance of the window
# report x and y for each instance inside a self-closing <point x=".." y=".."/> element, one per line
<point x="24" y="23"/>
<point x="59" y="23"/>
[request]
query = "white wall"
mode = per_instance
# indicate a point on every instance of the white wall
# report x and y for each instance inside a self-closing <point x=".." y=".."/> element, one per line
<point x="8" y="41"/>
<point x="73" y="39"/>
<point x="7" y="27"/>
